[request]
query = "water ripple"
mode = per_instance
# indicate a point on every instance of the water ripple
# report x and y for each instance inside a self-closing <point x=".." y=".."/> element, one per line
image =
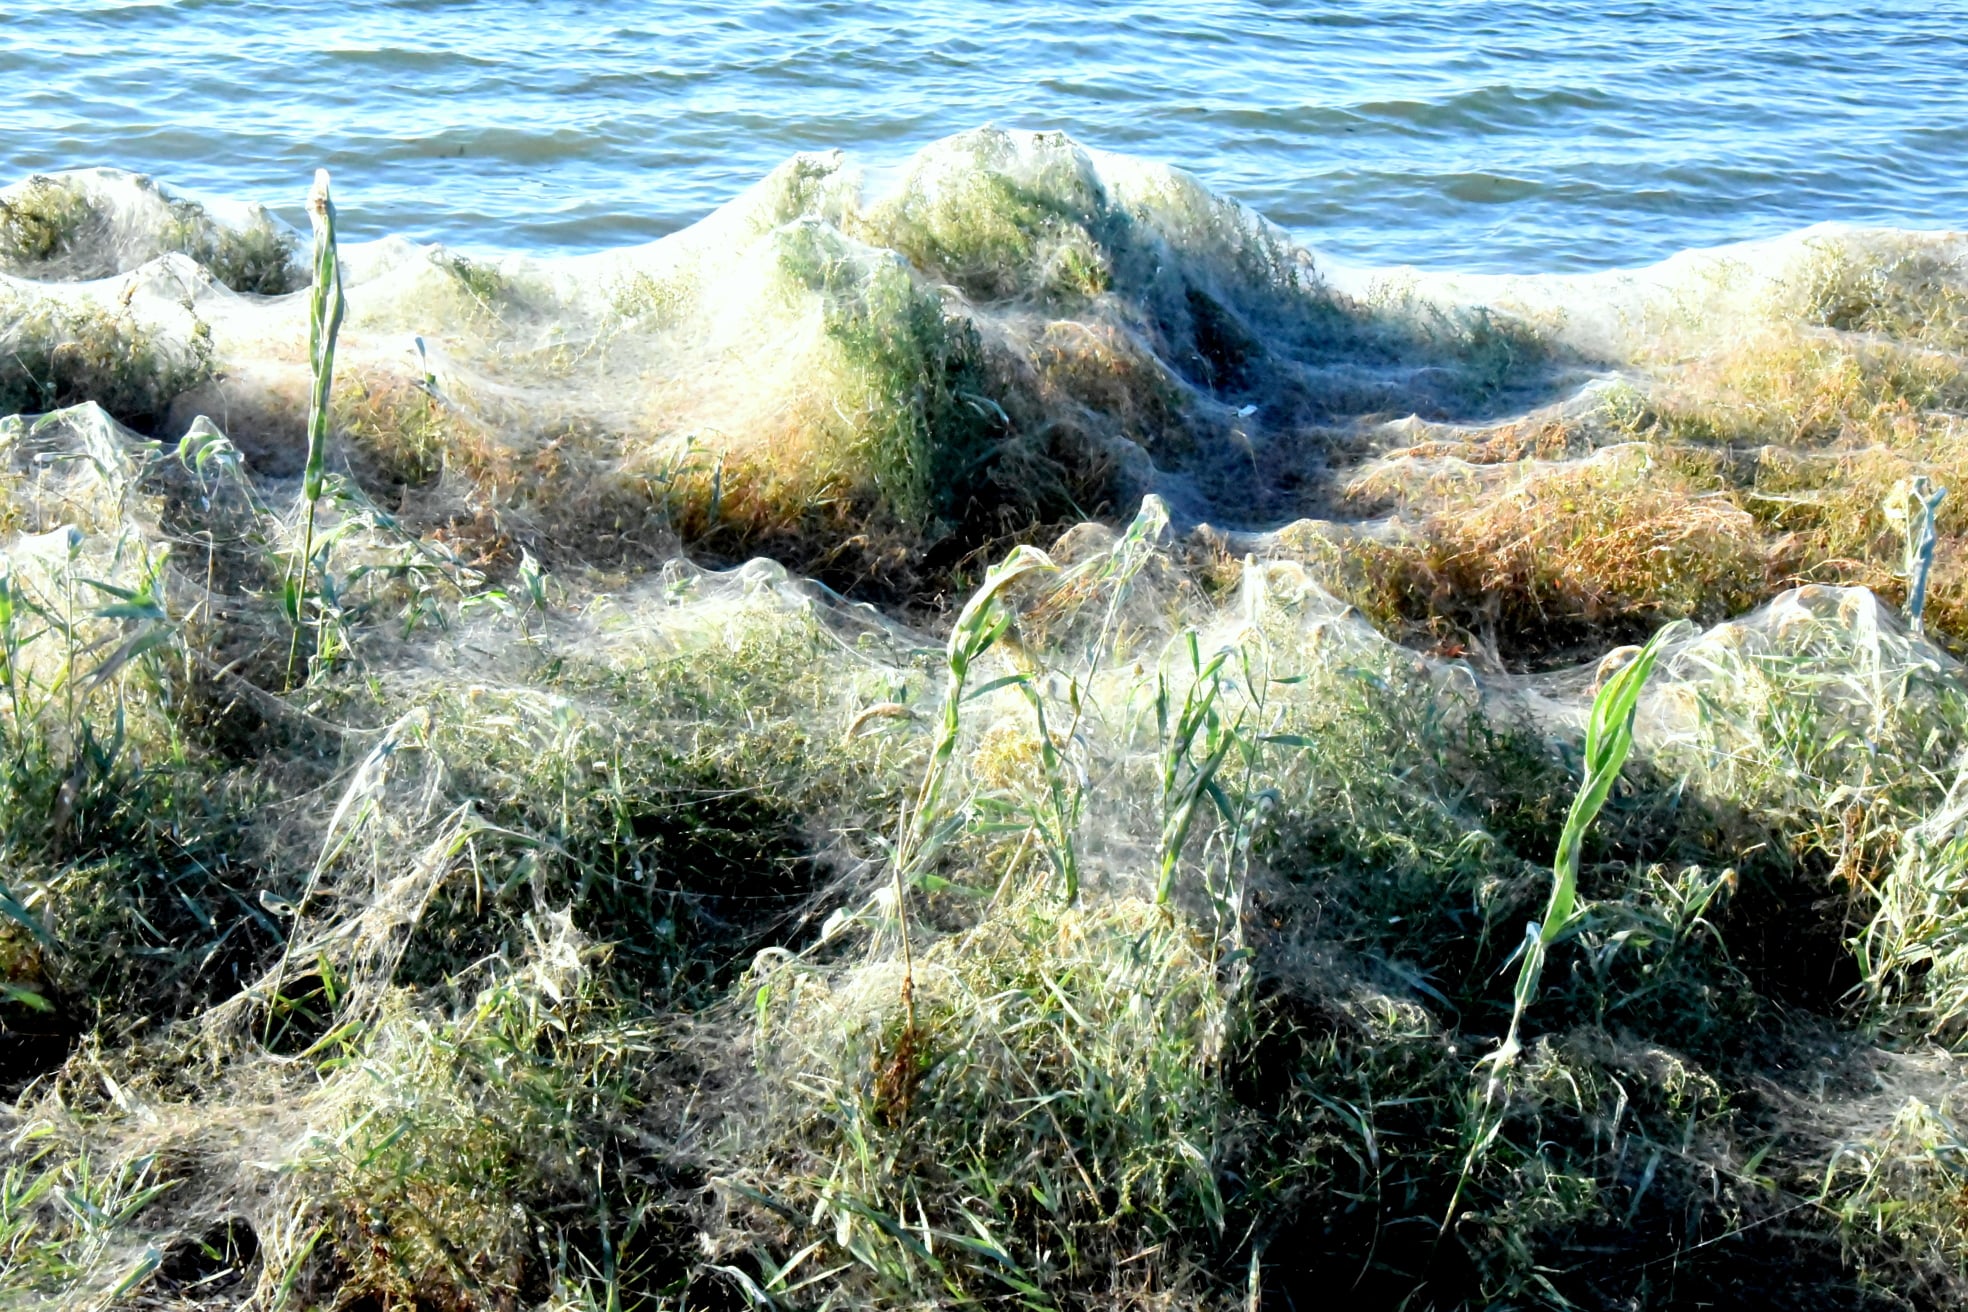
<point x="1552" y="135"/>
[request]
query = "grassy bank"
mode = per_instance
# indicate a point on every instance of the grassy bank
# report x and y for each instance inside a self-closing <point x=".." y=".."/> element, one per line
<point x="437" y="876"/>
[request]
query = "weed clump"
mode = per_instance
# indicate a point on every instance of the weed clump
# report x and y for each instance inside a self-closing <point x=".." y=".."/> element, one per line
<point x="925" y="418"/>
<point x="58" y="355"/>
<point x="120" y="833"/>
<point x="258" y="256"/>
<point x="1913" y="295"/>
<point x="1896" y="1187"/>
<point x="99" y="223"/>
<point x="40" y="222"/>
<point x="1493" y="558"/>
<point x="1103" y="1023"/>
<point x="999" y="221"/>
<point x="521" y="1084"/>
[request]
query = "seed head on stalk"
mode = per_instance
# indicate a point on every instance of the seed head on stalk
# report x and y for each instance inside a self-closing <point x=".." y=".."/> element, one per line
<point x="325" y="312"/>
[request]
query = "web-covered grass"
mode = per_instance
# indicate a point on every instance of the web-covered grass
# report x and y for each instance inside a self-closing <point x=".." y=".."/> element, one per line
<point x="493" y="896"/>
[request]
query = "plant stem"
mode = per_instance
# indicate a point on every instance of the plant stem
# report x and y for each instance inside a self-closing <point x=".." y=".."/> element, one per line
<point x="325" y="313"/>
<point x="1608" y="740"/>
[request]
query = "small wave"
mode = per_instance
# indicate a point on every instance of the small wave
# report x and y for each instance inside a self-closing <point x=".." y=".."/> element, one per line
<point x="1486" y="108"/>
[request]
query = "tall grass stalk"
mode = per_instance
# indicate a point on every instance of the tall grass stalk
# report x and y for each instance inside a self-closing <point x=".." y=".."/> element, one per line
<point x="1056" y="813"/>
<point x="980" y="624"/>
<point x="1182" y="788"/>
<point x="1608" y="741"/>
<point x="325" y="313"/>
<point x="929" y="826"/>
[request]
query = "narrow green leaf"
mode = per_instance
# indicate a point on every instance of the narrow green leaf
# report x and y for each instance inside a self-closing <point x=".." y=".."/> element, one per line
<point x="26" y="919"/>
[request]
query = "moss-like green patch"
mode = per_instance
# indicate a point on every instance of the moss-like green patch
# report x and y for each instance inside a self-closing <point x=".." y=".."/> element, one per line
<point x="41" y="222"/>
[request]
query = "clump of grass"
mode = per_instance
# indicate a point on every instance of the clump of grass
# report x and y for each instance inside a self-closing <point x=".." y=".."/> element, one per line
<point x="58" y="355"/>
<point x="1912" y="953"/>
<point x="1000" y="223"/>
<point x="41" y="222"/>
<point x="1911" y="295"/>
<point x="67" y="1217"/>
<point x="652" y="300"/>
<point x="481" y="281"/>
<point x="1615" y="538"/>
<point x="54" y="226"/>
<point x="260" y="259"/>
<point x="872" y="426"/>
<point x="259" y="256"/>
<point x="1788" y="384"/>
<point x="1101" y="1020"/>
<point x="1898" y="1191"/>
<point x="118" y="831"/>
<point x="897" y="440"/>
<point x="398" y="437"/>
<point x="1762" y="712"/>
<point x="521" y="1085"/>
<point x="1546" y="555"/>
<point x="1101" y="369"/>
<point x="918" y="429"/>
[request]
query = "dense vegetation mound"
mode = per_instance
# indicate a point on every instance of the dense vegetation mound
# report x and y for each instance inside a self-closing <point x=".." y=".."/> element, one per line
<point x="635" y="820"/>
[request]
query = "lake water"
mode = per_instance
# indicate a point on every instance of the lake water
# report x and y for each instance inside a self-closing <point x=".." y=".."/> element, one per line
<point x="1515" y="138"/>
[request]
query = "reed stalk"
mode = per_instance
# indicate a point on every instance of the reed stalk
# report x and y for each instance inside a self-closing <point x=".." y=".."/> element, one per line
<point x="326" y="309"/>
<point x="1608" y="741"/>
<point x="980" y="624"/>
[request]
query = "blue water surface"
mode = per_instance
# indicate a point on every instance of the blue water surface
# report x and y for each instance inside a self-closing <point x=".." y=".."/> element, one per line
<point x="1493" y="137"/>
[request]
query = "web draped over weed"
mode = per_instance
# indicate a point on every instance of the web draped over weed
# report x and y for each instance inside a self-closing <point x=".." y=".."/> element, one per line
<point x="520" y="904"/>
<point x="1024" y="335"/>
<point x="735" y="772"/>
<point x="57" y="356"/>
<point x="95" y="223"/>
